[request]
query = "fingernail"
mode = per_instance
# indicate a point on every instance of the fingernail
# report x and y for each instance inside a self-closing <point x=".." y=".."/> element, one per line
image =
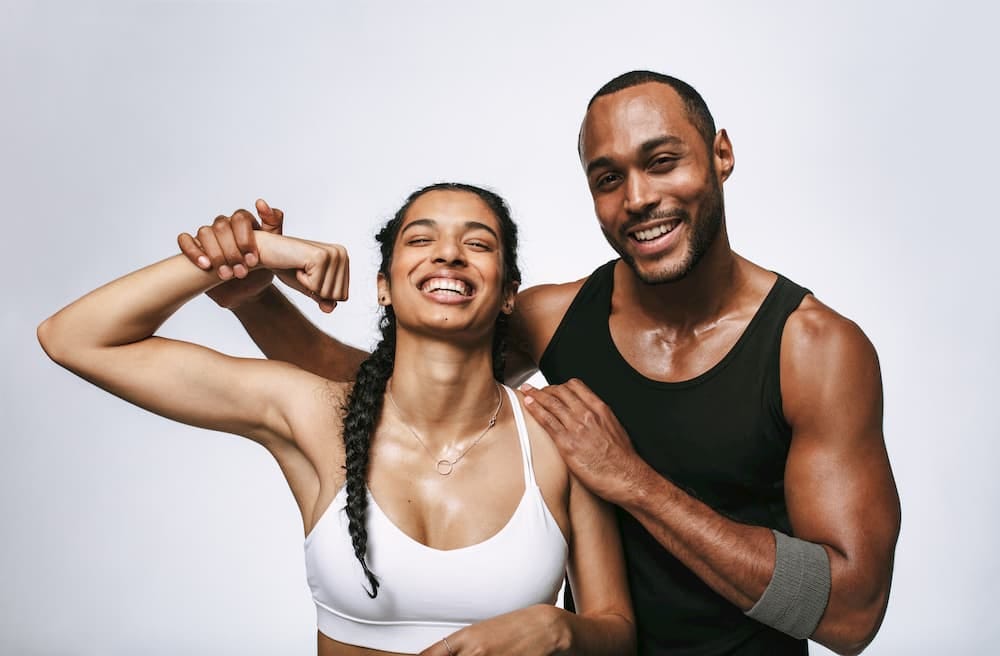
<point x="225" y="272"/>
<point x="525" y="387"/>
<point x="240" y="271"/>
<point x="204" y="262"/>
<point x="250" y="259"/>
<point x="528" y="400"/>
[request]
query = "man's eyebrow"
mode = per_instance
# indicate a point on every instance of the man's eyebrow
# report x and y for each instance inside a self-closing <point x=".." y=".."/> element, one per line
<point x="665" y="140"/>
<point x="469" y="225"/>
<point x="598" y="163"/>
<point x="646" y="147"/>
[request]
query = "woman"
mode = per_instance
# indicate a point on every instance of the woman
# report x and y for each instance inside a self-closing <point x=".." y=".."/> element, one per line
<point x="439" y="519"/>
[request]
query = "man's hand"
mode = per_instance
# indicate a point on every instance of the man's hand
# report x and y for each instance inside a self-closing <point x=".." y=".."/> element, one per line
<point x="230" y="248"/>
<point x="590" y="438"/>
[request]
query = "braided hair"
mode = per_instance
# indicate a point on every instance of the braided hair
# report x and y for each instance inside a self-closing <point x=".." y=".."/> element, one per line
<point x="363" y="406"/>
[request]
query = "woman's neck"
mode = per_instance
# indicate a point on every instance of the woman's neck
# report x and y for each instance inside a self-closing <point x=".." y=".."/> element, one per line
<point x="443" y="390"/>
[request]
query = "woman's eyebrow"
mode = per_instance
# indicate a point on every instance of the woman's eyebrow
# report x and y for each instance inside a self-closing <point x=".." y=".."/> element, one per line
<point x="469" y="225"/>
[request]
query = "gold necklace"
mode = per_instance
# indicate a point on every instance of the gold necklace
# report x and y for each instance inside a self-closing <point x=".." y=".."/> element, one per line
<point x="445" y="466"/>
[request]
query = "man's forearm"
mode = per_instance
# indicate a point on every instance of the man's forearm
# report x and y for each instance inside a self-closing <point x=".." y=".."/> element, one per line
<point x="738" y="560"/>
<point x="282" y="333"/>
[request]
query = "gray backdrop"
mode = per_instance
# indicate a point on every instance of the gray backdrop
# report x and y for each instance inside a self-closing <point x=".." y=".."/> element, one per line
<point x="865" y="143"/>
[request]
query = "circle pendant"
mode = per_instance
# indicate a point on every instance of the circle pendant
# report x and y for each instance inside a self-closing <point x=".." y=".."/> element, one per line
<point x="444" y="467"/>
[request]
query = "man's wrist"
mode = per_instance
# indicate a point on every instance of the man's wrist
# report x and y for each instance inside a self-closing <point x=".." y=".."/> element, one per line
<point x="636" y="480"/>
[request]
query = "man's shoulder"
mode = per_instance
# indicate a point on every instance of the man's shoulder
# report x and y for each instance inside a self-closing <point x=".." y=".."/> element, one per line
<point x="819" y="344"/>
<point x="814" y="324"/>
<point x="538" y="312"/>
<point x="549" y="298"/>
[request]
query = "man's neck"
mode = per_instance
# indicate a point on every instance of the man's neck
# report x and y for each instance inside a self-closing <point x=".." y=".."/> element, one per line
<point x="696" y="301"/>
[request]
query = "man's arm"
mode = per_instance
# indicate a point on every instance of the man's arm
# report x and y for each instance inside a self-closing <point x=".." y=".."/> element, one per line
<point x="283" y="333"/>
<point x="838" y="484"/>
<point x="229" y="247"/>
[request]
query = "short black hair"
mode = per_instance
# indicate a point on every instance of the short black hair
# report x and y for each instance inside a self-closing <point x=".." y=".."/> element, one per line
<point x="695" y="105"/>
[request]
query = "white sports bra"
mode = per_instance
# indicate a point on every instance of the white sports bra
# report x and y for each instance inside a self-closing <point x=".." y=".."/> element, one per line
<point x="426" y="594"/>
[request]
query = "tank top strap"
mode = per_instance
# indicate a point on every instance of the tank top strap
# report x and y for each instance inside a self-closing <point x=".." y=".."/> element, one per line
<point x="522" y="436"/>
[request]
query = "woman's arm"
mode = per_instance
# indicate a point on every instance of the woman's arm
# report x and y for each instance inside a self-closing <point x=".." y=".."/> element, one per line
<point x="272" y="321"/>
<point x="107" y="338"/>
<point x="604" y="622"/>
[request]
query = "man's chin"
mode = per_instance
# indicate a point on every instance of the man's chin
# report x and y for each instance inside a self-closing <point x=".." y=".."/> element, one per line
<point x="657" y="273"/>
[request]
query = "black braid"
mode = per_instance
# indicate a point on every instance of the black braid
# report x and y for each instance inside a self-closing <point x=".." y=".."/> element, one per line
<point x="361" y="413"/>
<point x="500" y="346"/>
<point x="363" y="406"/>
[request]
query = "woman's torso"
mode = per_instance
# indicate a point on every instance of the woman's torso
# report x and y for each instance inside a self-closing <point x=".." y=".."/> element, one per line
<point x="475" y="522"/>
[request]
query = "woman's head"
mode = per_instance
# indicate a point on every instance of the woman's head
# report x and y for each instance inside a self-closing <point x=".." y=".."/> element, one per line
<point x="450" y="249"/>
<point x="453" y="225"/>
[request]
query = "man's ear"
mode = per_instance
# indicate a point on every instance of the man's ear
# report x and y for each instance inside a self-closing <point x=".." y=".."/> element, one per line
<point x="722" y="153"/>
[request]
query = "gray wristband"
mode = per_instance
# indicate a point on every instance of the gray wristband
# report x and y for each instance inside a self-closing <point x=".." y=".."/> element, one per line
<point x="796" y="597"/>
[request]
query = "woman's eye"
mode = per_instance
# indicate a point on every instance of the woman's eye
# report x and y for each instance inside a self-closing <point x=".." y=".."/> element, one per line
<point x="418" y="241"/>
<point x="481" y="245"/>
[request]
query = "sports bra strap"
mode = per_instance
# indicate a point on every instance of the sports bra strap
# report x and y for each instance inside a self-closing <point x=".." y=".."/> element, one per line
<point x="522" y="435"/>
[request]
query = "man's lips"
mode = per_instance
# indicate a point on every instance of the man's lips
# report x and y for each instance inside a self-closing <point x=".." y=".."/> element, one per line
<point x="652" y="232"/>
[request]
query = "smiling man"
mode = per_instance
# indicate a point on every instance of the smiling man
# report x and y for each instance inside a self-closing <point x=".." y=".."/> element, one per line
<point x="733" y="418"/>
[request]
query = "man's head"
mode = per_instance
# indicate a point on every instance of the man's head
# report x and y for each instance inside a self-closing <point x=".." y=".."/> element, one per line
<point x="655" y="167"/>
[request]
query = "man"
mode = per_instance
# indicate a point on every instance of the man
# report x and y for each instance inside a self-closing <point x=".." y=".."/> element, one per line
<point x="733" y="418"/>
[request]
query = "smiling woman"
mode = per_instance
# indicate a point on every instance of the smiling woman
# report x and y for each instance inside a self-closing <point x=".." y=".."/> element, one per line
<point x="441" y="524"/>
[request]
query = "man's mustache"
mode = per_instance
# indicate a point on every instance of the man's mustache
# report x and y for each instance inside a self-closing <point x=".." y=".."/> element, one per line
<point x="675" y="213"/>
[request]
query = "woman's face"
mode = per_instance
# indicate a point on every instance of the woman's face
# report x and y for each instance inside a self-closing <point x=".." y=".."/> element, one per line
<point x="446" y="274"/>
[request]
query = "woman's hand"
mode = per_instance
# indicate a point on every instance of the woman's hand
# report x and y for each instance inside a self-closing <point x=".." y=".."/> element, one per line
<point x="319" y="270"/>
<point x="534" y="631"/>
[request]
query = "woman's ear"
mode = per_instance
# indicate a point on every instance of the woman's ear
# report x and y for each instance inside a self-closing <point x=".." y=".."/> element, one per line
<point x="384" y="296"/>
<point x="509" y="295"/>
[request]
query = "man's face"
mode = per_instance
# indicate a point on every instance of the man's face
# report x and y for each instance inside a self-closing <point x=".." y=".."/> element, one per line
<point x="657" y="187"/>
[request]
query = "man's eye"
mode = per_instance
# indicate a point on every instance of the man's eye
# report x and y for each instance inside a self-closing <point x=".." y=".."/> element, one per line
<point x="663" y="161"/>
<point x="419" y="241"/>
<point x="607" y="179"/>
<point x="481" y="245"/>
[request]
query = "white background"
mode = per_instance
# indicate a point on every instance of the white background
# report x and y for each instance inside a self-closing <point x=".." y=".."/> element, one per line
<point x="865" y="137"/>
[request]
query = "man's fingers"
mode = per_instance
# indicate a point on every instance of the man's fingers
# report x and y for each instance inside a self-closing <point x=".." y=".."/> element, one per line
<point x="539" y="405"/>
<point x="584" y="393"/>
<point x="192" y="249"/>
<point x="206" y="236"/>
<point x="559" y="402"/>
<point x="243" y="225"/>
<point x="223" y="228"/>
<point x="271" y="217"/>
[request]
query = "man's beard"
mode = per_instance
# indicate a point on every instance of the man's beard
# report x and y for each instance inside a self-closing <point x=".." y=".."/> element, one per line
<point x="703" y="232"/>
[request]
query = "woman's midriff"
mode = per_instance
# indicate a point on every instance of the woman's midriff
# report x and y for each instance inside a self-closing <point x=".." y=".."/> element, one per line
<point x="330" y="647"/>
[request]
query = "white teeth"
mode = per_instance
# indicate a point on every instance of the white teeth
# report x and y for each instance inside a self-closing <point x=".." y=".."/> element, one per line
<point x="445" y="285"/>
<point x="653" y="233"/>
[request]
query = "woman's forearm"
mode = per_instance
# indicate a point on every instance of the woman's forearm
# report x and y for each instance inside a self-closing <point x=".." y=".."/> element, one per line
<point x="125" y="310"/>
<point x="607" y="634"/>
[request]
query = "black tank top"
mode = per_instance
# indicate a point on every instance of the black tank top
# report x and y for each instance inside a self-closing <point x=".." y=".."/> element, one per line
<point x="720" y="436"/>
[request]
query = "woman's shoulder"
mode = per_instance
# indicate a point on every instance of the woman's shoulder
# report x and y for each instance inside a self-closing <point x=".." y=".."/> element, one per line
<point x="546" y="459"/>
